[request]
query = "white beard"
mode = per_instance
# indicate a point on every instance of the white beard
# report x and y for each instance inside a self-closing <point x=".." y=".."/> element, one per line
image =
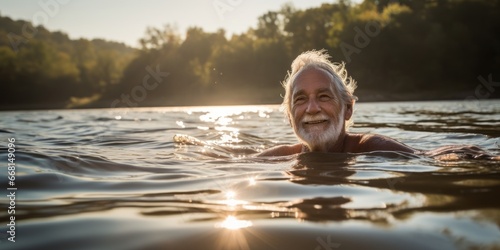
<point x="316" y="138"/>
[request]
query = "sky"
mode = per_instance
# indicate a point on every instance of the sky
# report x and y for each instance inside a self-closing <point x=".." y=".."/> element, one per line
<point x="126" y="20"/>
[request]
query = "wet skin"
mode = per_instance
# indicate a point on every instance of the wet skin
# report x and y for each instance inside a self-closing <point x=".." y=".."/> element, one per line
<point x="315" y="110"/>
<point x="312" y="95"/>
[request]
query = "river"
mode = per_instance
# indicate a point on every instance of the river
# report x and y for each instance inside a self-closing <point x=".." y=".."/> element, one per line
<point x="116" y="179"/>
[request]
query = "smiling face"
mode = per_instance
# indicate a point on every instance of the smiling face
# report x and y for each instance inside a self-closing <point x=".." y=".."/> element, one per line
<point x="317" y="113"/>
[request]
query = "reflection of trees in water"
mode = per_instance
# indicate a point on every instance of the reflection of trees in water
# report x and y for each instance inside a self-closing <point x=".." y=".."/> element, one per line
<point x="321" y="168"/>
<point x="327" y="169"/>
<point x="463" y="187"/>
<point x="467" y="189"/>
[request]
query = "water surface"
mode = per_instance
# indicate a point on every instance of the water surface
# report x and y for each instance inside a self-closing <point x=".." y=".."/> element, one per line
<point x="115" y="179"/>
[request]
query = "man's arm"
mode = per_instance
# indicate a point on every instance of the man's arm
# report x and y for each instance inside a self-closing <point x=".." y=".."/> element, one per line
<point x="456" y="152"/>
<point x="282" y="150"/>
<point x="379" y="142"/>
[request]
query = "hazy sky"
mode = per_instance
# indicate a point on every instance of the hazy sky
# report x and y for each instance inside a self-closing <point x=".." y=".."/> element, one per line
<point x="126" y="20"/>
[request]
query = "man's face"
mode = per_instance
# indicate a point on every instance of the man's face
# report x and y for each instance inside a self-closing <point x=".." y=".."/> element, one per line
<point x="317" y="115"/>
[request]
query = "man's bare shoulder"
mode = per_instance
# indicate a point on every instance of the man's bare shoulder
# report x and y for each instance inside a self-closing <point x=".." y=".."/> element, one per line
<point x="373" y="142"/>
<point x="282" y="150"/>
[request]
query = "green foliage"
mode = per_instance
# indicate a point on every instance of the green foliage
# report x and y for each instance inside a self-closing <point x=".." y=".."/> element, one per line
<point x="396" y="50"/>
<point x="42" y="69"/>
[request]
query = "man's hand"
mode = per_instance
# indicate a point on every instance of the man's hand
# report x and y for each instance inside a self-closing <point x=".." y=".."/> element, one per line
<point x="457" y="152"/>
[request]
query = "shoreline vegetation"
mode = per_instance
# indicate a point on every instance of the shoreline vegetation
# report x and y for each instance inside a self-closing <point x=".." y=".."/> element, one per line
<point x="395" y="50"/>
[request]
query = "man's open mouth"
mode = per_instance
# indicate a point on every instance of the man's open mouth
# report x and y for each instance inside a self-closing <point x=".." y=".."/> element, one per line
<point x="315" y="122"/>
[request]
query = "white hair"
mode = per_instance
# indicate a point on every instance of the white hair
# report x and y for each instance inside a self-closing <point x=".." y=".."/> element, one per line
<point x="343" y="84"/>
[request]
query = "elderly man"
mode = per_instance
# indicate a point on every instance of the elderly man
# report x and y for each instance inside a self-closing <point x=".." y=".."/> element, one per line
<point x="319" y="103"/>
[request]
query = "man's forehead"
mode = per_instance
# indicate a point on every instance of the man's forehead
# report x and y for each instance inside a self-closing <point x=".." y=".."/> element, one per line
<point x="318" y="80"/>
<point x="300" y="91"/>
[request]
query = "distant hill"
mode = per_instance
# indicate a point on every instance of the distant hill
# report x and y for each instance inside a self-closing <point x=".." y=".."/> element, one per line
<point x="395" y="50"/>
<point x="44" y="69"/>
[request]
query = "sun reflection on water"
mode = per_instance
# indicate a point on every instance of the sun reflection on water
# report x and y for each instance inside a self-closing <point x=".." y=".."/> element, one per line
<point x="230" y="195"/>
<point x="251" y="181"/>
<point x="230" y="200"/>
<point x="232" y="223"/>
<point x="222" y="118"/>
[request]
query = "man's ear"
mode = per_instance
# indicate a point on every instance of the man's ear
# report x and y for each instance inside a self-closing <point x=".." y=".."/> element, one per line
<point x="348" y="111"/>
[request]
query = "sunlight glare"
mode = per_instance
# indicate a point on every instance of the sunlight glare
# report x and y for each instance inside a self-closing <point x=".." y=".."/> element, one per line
<point x="230" y="138"/>
<point x="251" y="181"/>
<point x="230" y="195"/>
<point x="180" y="124"/>
<point x="230" y="200"/>
<point x="233" y="223"/>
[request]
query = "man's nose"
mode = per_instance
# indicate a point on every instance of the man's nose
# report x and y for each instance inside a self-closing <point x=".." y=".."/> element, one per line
<point x="313" y="107"/>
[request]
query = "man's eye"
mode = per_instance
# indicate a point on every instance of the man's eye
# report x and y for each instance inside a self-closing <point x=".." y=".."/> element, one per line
<point x="299" y="99"/>
<point x="324" y="98"/>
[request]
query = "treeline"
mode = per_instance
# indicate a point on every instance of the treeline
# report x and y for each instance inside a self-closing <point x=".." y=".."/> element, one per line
<point x="396" y="50"/>
<point x="43" y="69"/>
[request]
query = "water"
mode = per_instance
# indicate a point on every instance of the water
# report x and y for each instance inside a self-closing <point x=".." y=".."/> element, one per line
<point x="115" y="179"/>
